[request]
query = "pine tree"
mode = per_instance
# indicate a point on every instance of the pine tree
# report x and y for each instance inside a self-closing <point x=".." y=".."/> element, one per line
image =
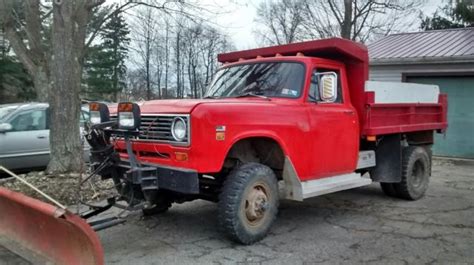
<point x="105" y="63"/>
<point x="459" y="14"/>
<point x="15" y="82"/>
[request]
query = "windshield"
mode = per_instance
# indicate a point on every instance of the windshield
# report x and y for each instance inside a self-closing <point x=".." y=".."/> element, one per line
<point x="275" y="79"/>
<point x="5" y="110"/>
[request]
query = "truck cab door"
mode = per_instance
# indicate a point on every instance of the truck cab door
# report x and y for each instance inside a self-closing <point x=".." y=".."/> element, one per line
<point x="334" y="128"/>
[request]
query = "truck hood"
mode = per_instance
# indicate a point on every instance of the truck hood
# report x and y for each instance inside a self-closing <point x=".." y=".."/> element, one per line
<point x="188" y="105"/>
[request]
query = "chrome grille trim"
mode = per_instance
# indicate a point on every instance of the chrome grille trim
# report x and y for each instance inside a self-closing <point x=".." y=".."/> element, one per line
<point x="157" y="128"/>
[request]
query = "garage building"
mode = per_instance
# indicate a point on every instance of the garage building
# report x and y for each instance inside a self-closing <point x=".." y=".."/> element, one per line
<point x="441" y="57"/>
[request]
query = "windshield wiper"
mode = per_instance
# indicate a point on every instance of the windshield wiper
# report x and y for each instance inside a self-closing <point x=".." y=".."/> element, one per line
<point x="210" y="97"/>
<point x="252" y="94"/>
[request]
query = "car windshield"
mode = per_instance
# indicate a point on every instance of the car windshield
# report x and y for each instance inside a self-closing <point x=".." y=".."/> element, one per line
<point x="5" y="110"/>
<point x="274" y="79"/>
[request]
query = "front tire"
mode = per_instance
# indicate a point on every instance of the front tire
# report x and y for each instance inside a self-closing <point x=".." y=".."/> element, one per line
<point x="416" y="169"/>
<point x="248" y="203"/>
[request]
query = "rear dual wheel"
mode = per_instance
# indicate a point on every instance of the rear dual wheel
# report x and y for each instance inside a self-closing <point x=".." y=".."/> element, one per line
<point x="416" y="170"/>
<point x="248" y="203"/>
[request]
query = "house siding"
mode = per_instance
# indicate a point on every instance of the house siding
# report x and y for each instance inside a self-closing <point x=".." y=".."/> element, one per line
<point x="394" y="73"/>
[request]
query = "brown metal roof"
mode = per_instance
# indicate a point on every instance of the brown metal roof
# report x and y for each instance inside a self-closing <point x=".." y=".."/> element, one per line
<point x="416" y="47"/>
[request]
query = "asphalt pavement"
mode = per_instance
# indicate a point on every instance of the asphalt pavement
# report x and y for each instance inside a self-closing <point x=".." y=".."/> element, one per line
<point x="357" y="226"/>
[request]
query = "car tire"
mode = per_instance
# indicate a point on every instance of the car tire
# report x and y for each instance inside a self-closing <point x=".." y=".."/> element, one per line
<point x="416" y="171"/>
<point x="248" y="203"/>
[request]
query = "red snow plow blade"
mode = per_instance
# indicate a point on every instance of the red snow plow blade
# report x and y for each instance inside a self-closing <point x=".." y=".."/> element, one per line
<point x="42" y="233"/>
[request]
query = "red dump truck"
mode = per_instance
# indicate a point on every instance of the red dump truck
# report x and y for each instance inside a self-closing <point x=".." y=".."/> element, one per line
<point x="285" y="122"/>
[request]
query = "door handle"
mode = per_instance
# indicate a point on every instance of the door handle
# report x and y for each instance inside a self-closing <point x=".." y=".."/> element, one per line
<point x="41" y="136"/>
<point x="349" y="112"/>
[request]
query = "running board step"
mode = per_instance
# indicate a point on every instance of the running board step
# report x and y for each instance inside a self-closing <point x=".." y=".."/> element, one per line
<point x="327" y="185"/>
<point x="295" y="189"/>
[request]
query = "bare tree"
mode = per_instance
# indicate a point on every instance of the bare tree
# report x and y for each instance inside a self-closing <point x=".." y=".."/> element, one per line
<point x="167" y="57"/>
<point x="144" y="34"/>
<point x="195" y="61"/>
<point x="159" y="57"/>
<point x="192" y="47"/>
<point x="213" y="43"/>
<point x="178" y="62"/>
<point x="281" y="21"/>
<point x="285" y="21"/>
<point x="135" y="86"/>
<point x="359" y="20"/>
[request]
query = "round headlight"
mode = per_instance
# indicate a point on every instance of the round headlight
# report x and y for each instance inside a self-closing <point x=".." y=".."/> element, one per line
<point x="178" y="129"/>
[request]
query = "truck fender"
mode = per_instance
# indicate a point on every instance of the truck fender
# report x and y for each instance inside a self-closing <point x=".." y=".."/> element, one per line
<point x="257" y="134"/>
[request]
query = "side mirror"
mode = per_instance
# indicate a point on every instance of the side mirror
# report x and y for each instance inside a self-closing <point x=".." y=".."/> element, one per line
<point x="5" y="127"/>
<point x="328" y="86"/>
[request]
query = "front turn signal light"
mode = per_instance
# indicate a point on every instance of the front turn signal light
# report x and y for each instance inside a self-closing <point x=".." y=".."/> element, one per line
<point x="180" y="156"/>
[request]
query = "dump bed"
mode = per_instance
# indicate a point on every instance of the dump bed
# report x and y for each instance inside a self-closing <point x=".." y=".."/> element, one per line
<point x="375" y="117"/>
<point x="401" y="107"/>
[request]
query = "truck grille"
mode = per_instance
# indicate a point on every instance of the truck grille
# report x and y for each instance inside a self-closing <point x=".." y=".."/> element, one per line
<point x="157" y="128"/>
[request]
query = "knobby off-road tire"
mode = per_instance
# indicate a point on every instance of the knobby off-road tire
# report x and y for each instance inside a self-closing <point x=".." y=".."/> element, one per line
<point x="416" y="171"/>
<point x="248" y="203"/>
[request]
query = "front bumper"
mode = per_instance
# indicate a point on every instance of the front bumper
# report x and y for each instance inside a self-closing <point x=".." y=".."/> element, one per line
<point x="154" y="177"/>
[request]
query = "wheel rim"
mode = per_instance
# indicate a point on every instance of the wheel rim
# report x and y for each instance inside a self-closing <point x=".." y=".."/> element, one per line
<point x="418" y="174"/>
<point x="256" y="202"/>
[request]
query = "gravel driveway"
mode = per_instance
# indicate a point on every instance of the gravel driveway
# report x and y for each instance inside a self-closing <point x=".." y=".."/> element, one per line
<point x="355" y="226"/>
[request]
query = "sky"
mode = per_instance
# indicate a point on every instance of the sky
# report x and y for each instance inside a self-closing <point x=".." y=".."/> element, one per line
<point x="238" y="21"/>
<point x="237" y="18"/>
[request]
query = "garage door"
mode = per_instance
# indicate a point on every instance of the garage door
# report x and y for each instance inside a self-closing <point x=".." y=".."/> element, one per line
<point x="459" y="140"/>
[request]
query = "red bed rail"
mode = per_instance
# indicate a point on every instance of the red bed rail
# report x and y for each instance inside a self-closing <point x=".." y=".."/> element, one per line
<point x="391" y="118"/>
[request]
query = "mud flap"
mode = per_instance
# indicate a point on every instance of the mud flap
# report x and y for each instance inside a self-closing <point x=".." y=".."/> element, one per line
<point x="45" y="234"/>
<point x="389" y="160"/>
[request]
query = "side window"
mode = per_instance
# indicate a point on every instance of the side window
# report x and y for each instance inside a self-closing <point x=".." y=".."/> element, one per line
<point x="29" y="121"/>
<point x="314" y="90"/>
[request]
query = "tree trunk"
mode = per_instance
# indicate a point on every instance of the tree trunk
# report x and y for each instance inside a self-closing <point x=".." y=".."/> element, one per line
<point x="346" y="23"/>
<point x="165" y="91"/>
<point x="68" y="35"/>
<point x="147" y="70"/>
<point x="41" y="82"/>
<point x="178" y="67"/>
